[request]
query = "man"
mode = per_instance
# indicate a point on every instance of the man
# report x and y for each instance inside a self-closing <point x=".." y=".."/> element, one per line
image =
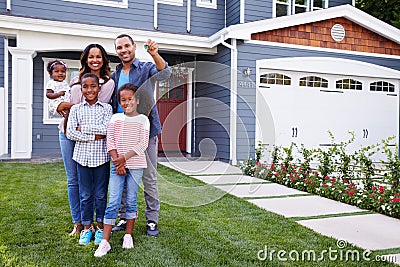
<point x="143" y="75"/>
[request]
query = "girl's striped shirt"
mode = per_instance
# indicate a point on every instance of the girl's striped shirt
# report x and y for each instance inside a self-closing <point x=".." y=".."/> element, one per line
<point x="129" y="133"/>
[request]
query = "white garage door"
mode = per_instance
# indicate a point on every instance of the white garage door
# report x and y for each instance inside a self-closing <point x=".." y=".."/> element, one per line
<point x="305" y="105"/>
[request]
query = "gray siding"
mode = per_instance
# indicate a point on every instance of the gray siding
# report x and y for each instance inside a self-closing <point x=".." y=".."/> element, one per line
<point x="232" y="12"/>
<point x="257" y="10"/>
<point x="138" y="15"/>
<point x="247" y="56"/>
<point x="212" y="118"/>
<point x="207" y="21"/>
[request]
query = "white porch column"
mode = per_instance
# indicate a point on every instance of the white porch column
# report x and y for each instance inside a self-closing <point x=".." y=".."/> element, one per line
<point x="21" y="105"/>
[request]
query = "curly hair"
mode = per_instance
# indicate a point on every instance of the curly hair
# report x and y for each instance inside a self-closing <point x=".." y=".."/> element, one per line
<point x="105" y="71"/>
<point x="53" y="63"/>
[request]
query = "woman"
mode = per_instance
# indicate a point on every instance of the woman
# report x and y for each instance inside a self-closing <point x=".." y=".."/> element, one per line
<point x="94" y="59"/>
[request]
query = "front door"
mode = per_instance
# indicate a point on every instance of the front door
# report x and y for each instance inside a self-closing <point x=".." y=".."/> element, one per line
<point x="171" y="105"/>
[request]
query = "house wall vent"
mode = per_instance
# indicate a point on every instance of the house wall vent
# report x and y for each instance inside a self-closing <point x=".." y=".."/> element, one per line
<point x="338" y="32"/>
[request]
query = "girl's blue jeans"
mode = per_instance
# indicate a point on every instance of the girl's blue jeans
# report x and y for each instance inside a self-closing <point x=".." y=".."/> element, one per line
<point x="116" y="186"/>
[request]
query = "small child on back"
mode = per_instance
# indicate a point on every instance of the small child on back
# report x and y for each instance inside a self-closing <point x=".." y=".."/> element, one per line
<point x="87" y="125"/>
<point x="57" y="89"/>
<point x="127" y="140"/>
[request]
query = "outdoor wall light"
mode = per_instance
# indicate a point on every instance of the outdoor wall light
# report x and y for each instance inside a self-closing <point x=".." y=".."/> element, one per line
<point x="247" y="72"/>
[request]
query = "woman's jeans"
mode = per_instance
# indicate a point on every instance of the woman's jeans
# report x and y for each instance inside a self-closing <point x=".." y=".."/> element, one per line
<point x="67" y="150"/>
<point x="116" y="186"/>
<point x="93" y="185"/>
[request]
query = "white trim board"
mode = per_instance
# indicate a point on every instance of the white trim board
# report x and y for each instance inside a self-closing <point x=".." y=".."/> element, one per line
<point x="331" y="50"/>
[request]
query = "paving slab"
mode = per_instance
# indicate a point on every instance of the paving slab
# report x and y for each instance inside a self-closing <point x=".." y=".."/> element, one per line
<point x="370" y="231"/>
<point x="259" y="190"/>
<point x="304" y="206"/>
<point x="228" y="179"/>
<point x="199" y="167"/>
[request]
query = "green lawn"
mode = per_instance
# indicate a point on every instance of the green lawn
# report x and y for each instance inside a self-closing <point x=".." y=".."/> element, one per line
<point x="222" y="231"/>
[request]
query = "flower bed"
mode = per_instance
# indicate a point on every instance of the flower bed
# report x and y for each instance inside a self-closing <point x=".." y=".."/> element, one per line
<point x="353" y="179"/>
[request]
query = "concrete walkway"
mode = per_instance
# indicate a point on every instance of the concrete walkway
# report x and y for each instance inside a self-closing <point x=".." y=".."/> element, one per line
<point x="349" y="224"/>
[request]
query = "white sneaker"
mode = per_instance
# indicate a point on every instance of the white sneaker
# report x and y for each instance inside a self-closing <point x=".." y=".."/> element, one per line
<point x="128" y="241"/>
<point x="103" y="248"/>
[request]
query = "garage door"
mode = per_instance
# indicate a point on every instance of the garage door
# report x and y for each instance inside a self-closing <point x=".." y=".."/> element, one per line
<point x="305" y="105"/>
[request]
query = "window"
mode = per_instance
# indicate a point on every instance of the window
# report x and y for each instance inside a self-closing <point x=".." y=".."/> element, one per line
<point x="111" y="3"/>
<point x="72" y="71"/>
<point x="313" y="81"/>
<point x="349" y="84"/>
<point x="172" y="88"/>
<point x="289" y="7"/>
<point x="207" y="3"/>
<point x="275" y="78"/>
<point x="282" y="8"/>
<point x="382" y="86"/>
<point x="171" y="2"/>
<point x="300" y="6"/>
<point x="318" y="4"/>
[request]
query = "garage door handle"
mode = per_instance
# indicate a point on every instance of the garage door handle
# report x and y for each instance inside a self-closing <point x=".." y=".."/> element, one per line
<point x="294" y="132"/>
<point x="365" y="133"/>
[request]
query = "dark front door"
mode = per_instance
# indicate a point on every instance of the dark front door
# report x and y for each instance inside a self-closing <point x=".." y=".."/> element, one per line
<point x="171" y="105"/>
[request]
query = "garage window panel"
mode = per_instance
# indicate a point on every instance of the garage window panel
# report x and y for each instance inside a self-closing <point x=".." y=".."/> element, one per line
<point x="313" y="81"/>
<point x="349" y="84"/>
<point x="275" y="78"/>
<point x="381" y="86"/>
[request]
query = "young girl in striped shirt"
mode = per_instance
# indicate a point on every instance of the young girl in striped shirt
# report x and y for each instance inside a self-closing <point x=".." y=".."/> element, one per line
<point x="127" y="140"/>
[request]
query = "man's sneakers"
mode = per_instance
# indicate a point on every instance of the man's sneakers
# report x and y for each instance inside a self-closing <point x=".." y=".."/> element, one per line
<point x="121" y="226"/>
<point x="85" y="237"/>
<point x="151" y="228"/>
<point x="103" y="248"/>
<point x="127" y="241"/>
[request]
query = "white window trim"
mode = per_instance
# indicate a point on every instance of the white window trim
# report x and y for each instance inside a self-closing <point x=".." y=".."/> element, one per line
<point x="213" y="4"/>
<point x="292" y="4"/>
<point x="306" y="6"/>
<point x="120" y="4"/>
<point x="71" y="63"/>
<point x="171" y="2"/>
<point x="275" y="2"/>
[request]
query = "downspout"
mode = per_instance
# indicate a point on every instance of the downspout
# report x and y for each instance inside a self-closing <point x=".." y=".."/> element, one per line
<point x="8" y="5"/>
<point x="233" y="100"/>
<point x="225" y="16"/>
<point x="188" y="29"/>
<point x="241" y="19"/>
<point x="155" y="15"/>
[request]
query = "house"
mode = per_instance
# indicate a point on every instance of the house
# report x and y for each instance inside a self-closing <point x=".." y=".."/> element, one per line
<point x="243" y="70"/>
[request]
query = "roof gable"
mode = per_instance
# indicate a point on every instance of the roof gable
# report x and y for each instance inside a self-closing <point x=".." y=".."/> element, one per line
<point x="246" y="30"/>
<point x="318" y="34"/>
